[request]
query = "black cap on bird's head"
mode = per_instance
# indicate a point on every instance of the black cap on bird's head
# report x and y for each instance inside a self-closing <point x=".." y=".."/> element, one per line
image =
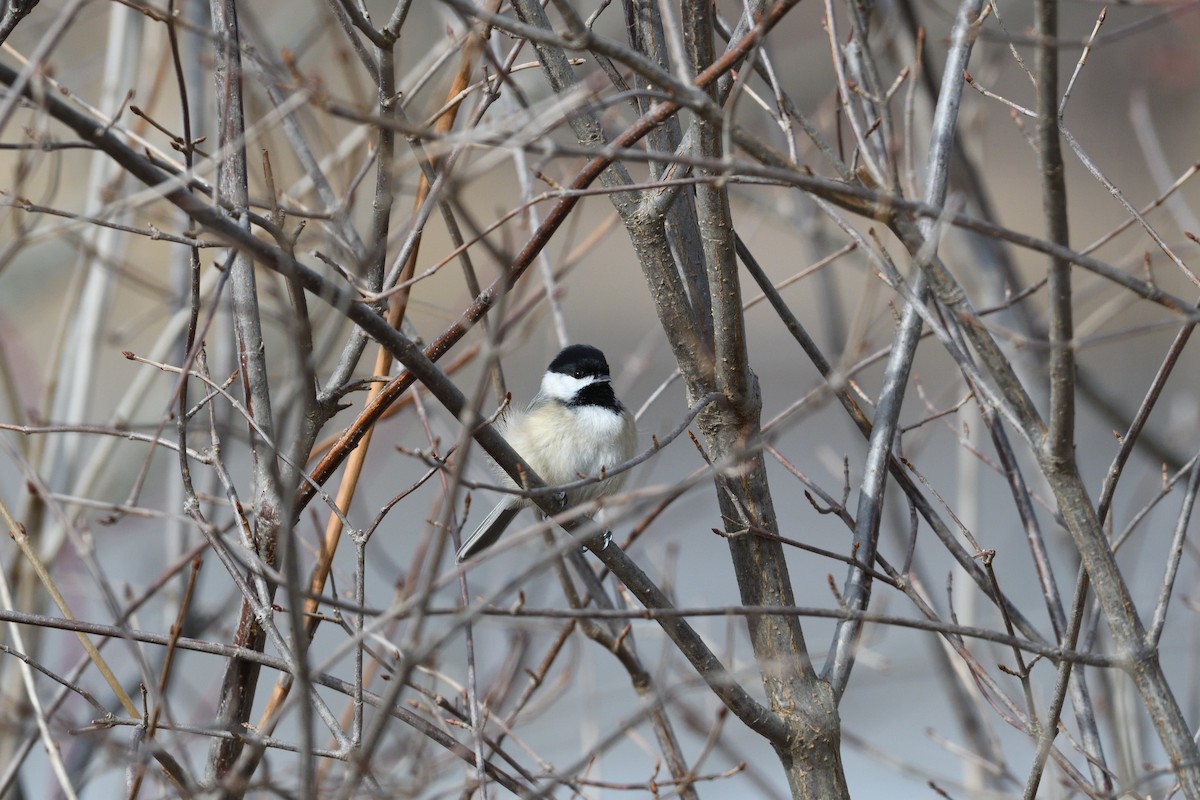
<point x="579" y="361"/>
<point x="578" y="377"/>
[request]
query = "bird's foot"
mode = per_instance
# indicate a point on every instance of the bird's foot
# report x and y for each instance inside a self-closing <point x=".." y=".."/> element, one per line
<point x="605" y="539"/>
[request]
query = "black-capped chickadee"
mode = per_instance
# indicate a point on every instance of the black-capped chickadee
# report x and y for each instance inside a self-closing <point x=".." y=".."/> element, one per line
<point x="574" y="428"/>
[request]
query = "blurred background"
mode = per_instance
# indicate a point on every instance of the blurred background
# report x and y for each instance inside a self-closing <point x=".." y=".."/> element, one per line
<point x="106" y="514"/>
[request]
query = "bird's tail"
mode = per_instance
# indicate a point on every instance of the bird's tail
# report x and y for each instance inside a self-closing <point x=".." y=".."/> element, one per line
<point x="490" y="529"/>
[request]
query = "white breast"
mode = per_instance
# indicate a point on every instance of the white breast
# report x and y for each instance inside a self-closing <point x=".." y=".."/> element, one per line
<point x="564" y="444"/>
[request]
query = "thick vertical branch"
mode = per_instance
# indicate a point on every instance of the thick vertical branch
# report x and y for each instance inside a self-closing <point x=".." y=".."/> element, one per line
<point x="241" y="677"/>
<point x="1060" y="442"/>
<point x="1059" y="445"/>
<point x="644" y="23"/>
<point x="812" y="761"/>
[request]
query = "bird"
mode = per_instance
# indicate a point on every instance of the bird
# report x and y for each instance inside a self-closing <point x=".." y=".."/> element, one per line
<point x="575" y="427"/>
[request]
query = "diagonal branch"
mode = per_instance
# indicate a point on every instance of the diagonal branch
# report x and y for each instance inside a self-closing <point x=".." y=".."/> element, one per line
<point x="857" y="589"/>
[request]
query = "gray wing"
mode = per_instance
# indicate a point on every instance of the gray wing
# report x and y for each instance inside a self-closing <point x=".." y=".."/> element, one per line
<point x="506" y="510"/>
<point x="490" y="529"/>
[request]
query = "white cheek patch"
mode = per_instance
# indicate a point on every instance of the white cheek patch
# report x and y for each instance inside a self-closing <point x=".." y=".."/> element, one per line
<point x="562" y="387"/>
